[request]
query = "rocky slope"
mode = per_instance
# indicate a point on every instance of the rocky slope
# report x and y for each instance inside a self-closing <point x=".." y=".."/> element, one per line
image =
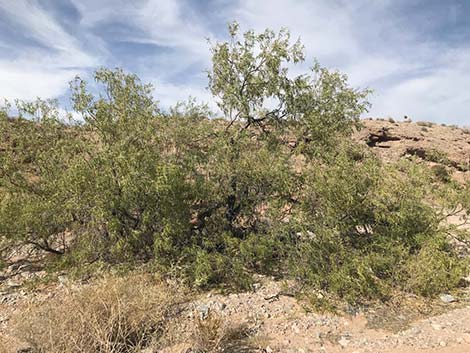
<point x="432" y="143"/>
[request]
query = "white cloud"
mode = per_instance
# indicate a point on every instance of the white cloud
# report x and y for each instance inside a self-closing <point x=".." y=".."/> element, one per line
<point x="163" y="22"/>
<point x="39" y="71"/>
<point x="440" y="95"/>
<point x="26" y="81"/>
<point x="169" y="94"/>
<point x="166" y="23"/>
<point x="37" y="23"/>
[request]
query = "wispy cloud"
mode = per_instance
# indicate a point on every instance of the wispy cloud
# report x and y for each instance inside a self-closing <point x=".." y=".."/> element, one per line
<point x="415" y="54"/>
<point x="45" y="68"/>
<point x="177" y="34"/>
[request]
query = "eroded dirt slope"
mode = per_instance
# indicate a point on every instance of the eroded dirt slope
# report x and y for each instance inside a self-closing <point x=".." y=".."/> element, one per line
<point x="433" y="143"/>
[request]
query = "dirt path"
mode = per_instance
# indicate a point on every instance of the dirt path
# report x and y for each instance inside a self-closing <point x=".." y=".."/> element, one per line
<point x="282" y="325"/>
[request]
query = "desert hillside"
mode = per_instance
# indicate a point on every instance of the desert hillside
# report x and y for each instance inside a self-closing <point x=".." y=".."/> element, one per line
<point x="269" y="317"/>
<point x="228" y="195"/>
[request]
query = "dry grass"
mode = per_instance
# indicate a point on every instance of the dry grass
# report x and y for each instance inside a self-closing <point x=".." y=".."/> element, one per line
<point x="401" y="311"/>
<point x="424" y="123"/>
<point x="215" y="334"/>
<point x="113" y="315"/>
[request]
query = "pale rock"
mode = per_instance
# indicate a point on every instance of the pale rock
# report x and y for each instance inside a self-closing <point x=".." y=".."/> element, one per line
<point x="203" y="311"/>
<point x="447" y="298"/>
<point x="343" y="342"/>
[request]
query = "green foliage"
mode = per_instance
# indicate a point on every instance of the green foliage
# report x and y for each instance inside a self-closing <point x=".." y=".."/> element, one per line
<point x="248" y="71"/>
<point x="34" y="167"/>
<point x="442" y="173"/>
<point x="437" y="156"/>
<point x="369" y="228"/>
<point x="273" y="187"/>
<point x="435" y="268"/>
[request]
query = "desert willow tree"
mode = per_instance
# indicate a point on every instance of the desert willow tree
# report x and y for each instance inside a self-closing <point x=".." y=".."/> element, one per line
<point x="259" y="97"/>
<point x="250" y="77"/>
<point x="131" y="180"/>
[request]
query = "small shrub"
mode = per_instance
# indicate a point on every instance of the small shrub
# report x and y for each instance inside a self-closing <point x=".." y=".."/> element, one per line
<point x="425" y="124"/>
<point x="435" y="269"/>
<point x="215" y="334"/>
<point x="442" y="173"/>
<point x="464" y="167"/>
<point x="437" y="156"/>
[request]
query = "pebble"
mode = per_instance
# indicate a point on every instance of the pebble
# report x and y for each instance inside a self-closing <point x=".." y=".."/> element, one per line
<point x="203" y="311"/>
<point x="447" y="298"/>
<point x="343" y="342"/>
<point x="220" y="306"/>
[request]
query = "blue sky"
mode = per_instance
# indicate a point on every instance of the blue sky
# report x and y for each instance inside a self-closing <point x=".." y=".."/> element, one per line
<point x="415" y="54"/>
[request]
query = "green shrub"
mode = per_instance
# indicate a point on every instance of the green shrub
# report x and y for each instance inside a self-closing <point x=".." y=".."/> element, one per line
<point x="368" y="223"/>
<point x="442" y="173"/>
<point x="435" y="269"/>
<point x="437" y="156"/>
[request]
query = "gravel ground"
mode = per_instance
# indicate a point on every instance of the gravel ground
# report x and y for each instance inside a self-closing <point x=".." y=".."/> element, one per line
<point x="279" y="322"/>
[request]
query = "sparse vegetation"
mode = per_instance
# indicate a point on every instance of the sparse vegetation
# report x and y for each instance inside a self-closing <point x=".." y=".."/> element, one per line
<point x="275" y="187"/>
<point x="425" y="124"/>
<point x="442" y="173"/>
